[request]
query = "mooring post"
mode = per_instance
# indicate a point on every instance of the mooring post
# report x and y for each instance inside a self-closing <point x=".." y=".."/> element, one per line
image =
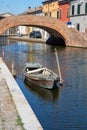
<point x="58" y="66"/>
<point x="3" y="53"/>
<point x="13" y="70"/>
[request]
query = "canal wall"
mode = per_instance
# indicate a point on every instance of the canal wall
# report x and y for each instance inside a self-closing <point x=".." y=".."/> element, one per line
<point x="7" y="82"/>
<point x="27" y="39"/>
<point x="55" y="41"/>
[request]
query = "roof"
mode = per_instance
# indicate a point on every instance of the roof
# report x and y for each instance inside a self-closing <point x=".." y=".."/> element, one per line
<point x="48" y="1"/>
<point x="35" y="9"/>
<point x="6" y="14"/>
<point x="32" y="11"/>
<point x="63" y="1"/>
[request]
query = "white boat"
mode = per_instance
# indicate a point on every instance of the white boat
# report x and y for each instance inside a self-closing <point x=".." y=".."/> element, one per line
<point x="38" y="75"/>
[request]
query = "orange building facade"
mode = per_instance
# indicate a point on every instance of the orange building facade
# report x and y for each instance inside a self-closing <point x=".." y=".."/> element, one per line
<point x="50" y="8"/>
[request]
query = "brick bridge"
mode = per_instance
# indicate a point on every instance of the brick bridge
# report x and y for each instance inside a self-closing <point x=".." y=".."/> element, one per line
<point x="55" y="27"/>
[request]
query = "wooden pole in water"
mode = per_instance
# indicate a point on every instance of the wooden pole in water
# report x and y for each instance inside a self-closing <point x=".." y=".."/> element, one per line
<point x="3" y="54"/>
<point x="13" y="70"/>
<point x="58" y="66"/>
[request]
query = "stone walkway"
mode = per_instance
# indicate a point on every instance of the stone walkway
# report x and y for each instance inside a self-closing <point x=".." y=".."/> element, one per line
<point x="14" y="108"/>
<point x="8" y="113"/>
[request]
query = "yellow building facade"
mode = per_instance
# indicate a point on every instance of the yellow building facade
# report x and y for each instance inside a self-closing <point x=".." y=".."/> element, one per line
<point x="50" y="8"/>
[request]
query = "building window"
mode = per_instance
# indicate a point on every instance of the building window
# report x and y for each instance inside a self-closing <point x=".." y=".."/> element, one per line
<point x="85" y="8"/>
<point x="78" y="9"/>
<point x="59" y="14"/>
<point x="50" y="14"/>
<point x="78" y="26"/>
<point x="46" y="14"/>
<point x="73" y="9"/>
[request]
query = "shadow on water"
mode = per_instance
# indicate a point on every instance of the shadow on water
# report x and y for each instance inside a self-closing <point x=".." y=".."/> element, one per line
<point x="49" y="95"/>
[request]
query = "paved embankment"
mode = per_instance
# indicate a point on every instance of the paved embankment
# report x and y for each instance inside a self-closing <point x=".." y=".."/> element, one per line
<point x="27" y="39"/>
<point x="14" y="105"/>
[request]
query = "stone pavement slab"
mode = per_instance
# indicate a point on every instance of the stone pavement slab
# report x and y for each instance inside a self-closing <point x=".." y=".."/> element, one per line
<point x="8" y="113"/>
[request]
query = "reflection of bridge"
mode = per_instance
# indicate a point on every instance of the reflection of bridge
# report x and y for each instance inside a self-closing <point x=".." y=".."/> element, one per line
<point x="55" y="27"/>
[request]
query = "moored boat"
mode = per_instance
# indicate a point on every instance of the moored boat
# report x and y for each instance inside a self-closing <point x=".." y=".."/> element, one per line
<point x="38" y="75"/>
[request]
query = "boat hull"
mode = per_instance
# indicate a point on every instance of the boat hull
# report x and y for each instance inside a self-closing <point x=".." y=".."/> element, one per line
<point x="47" y="84"/>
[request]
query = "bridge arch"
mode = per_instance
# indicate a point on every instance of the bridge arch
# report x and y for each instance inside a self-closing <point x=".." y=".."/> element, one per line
<point x="53" y="26"/>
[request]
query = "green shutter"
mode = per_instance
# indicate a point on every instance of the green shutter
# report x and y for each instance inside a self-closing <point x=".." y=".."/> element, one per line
<point x="78" y="9"/>
<point x="85" y="8"/>
<point x="72" y="9"/>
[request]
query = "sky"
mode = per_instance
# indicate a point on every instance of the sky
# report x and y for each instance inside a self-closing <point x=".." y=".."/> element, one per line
<point x="18" y="6"/>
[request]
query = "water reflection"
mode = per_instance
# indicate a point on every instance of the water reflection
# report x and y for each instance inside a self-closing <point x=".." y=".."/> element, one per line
<point x="48" y="95"/>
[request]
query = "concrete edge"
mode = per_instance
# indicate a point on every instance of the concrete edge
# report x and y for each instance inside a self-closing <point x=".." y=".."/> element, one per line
<point x="25" y="111"/>
<point x="26" y="39"/>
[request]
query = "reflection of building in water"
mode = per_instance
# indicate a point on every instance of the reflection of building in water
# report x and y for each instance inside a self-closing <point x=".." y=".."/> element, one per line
<point x="35" y="49"/>
<point x="30" y="53"/>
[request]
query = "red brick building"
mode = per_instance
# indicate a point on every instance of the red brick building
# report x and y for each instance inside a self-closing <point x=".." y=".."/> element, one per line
<point x="64" y="10"/>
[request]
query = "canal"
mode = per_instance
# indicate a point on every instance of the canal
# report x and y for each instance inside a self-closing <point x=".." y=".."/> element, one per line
<point x="64" y="108"/>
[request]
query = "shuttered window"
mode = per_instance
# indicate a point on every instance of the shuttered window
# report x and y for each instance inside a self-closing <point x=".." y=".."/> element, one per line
<point x="78" y="9"/>
<point x="85" y="8"/>
<point x="73" y="9"/>
<point x="59" y="14"/>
